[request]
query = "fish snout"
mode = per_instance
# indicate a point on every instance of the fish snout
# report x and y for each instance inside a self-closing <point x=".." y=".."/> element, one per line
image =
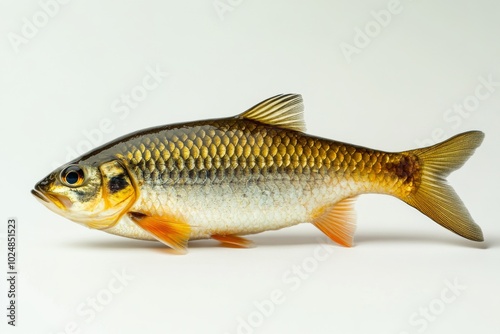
<point x="42" y="191"/>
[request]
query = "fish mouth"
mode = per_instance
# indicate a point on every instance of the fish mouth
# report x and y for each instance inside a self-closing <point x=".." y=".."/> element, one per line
<point x="60" y="201"/>
<point x="39" y="195"/>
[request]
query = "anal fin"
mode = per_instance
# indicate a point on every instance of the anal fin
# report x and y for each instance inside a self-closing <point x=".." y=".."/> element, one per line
<point x="233" y="240"/>
<point x="338" y="221"/>
<point x="169" y="230"/>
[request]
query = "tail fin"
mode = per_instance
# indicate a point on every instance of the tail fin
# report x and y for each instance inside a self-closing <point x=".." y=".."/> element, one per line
<point x="434" y="197"/>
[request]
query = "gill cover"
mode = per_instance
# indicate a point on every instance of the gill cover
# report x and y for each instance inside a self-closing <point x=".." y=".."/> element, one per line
<point x="118" y="194"/>
<point x="117" y="186"/>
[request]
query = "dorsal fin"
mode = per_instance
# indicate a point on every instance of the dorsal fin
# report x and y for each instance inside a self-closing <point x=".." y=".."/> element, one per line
<point x="285" y="111"/>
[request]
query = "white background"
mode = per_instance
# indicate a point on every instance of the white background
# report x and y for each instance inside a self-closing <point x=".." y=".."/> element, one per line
<point x="393" y="94"/>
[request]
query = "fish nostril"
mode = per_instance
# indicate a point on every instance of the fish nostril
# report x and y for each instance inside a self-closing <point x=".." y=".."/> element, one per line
<point x="40" y="186"/>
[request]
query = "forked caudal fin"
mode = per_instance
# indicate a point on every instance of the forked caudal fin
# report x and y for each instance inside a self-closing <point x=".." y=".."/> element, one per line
<point x="434" y="197"/>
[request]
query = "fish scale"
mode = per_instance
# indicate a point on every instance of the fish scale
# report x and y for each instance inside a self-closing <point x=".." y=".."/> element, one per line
<point x="205" y="164"/>
<point x="249" y="151"/>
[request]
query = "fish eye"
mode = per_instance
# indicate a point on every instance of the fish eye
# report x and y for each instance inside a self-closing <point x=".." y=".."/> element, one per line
<point x="72" y="176"/>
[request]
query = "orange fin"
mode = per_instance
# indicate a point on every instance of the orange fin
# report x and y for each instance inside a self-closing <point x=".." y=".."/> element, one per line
<point x="338" y="222"/>
<point x="169" y="230"/>
<point x="233" y="240"/>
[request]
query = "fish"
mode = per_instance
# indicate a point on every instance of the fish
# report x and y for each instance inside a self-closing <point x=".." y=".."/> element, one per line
<point x="257" y="171"/>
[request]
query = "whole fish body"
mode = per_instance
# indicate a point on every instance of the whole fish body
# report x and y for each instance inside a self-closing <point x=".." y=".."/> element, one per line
<point x="258" y="171"/>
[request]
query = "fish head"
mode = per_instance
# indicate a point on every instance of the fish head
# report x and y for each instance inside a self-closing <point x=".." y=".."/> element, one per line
<point x="94" y="195"/>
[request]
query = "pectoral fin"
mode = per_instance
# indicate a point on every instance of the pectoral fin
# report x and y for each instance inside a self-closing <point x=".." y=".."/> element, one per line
<point x="338" y="221"/>
<point x="169" y="230"/>
<point x="233" y="240"/>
